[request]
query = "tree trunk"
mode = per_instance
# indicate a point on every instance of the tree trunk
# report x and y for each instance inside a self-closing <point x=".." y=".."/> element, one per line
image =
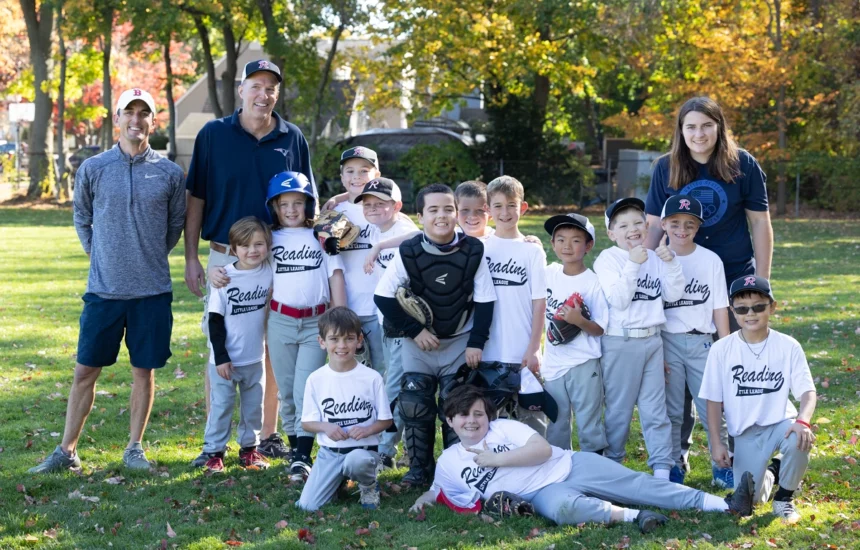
<point x="228" y="77"/>
<point x="276" y="47"/>
<point x="211" y="77"/>
<point x="323" y="85"/>
<point x="171" y="104"/>
<point x="781" y="187"/>
<point x="107" y="121"/>
<point x="39" y="27"/>
<point x="60" y="148"/>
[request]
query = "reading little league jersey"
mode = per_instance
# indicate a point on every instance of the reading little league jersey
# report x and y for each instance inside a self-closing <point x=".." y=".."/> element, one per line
<point x="754" y="389"/>
<point x="348" y="399"/>
<point x="704" y="291"/>
<point x="517" y="270"/>
<point x="301" y="268"/>
<point x="465" y="482"/>
<point x="359" y="285"/>
<point x="242" y="303"/>
<point x="557" y="360"/>
<point x="635" y="292"/>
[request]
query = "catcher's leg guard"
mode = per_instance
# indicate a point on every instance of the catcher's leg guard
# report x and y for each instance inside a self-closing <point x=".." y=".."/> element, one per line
<point x="417" y="403"/>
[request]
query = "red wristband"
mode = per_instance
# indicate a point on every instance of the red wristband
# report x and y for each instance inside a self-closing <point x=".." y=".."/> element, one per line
<point x="796" y="421"/>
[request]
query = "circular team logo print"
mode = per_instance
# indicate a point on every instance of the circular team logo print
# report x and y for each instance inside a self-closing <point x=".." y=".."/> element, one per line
<point x="713" y="198"/>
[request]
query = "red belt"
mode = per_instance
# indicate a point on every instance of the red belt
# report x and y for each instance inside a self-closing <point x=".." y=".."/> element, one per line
<point x="298" y="313"/>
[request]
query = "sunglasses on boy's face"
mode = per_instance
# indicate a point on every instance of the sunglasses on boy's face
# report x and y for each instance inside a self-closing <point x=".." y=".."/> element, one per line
<point x="743" y="310"/>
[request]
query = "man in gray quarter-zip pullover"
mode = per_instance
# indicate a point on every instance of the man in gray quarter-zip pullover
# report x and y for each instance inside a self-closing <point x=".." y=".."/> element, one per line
<point x="129" y="214"/>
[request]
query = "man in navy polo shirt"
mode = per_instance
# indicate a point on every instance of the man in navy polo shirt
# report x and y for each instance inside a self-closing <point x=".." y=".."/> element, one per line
<point x="234" y="157"/>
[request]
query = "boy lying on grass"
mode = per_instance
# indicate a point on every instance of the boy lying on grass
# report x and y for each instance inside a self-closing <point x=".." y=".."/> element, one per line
<point x="564" y="486"/>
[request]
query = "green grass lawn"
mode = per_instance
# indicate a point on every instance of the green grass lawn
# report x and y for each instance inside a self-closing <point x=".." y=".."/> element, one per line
<point x="816" y="281"/>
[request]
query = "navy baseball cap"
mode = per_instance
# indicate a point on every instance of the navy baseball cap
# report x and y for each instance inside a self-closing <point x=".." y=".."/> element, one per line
<point x="261" y="65"/>
<point x="682" y="204"/>
<point x="382" y="188"/>
<point x="572" y="220"/>
<point x="751" y="283"/>
<point x="616" y="206"/>
<point x="360" y="153"/>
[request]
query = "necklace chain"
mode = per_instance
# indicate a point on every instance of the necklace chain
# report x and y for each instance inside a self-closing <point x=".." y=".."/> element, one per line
<point x="749" y="347"/>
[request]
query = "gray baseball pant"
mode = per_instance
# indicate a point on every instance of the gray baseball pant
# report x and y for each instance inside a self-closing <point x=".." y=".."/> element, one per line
<point x="579" y="391"/>
<point x="295" y="353"/>
<point x="535" y="420"/>
<point x="444" y="360"/>
<point x="331" y="469"/>
<point x="595" y="483"/>
<point x="373" y="339"/>
<point x="222" y="395"/>
<point x="754" y="449"/>
<point x="633" y="375"/>
<point x="686" y="355"/>
<point x="393" y="374"/>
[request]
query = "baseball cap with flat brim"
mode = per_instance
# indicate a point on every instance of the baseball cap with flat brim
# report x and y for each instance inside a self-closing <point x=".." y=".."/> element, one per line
<point x="261" y="65"/>
<point x="382" y="188"/>
<point x="616" y="207"/>
<point x="569" y="220"/>
<point x="135" y="94"/>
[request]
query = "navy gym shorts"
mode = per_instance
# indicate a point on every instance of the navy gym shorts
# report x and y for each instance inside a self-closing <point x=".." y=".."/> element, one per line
<point x="145" y="322"/>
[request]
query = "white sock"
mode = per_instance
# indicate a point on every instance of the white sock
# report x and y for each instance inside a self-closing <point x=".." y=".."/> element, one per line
<point x="661" y="474"/>
<point x="630" y="515"/>
<point x="713" y="503"/>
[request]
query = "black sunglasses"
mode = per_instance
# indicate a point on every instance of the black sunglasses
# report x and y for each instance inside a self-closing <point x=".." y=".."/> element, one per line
<point x="743" y="310"/>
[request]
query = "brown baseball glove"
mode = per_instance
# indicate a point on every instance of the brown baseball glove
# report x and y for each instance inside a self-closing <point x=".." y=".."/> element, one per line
<point x="334" y="231"/>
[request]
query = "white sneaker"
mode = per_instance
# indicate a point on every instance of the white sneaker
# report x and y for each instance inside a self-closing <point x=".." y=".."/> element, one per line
<point x="785" y="510"/>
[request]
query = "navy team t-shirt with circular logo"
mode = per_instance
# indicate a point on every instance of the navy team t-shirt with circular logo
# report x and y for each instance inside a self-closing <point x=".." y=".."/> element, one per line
<point x="725" y="230"/>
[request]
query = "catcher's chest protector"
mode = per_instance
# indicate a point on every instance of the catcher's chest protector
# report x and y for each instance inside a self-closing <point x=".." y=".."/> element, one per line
<point x="446" y="281"/>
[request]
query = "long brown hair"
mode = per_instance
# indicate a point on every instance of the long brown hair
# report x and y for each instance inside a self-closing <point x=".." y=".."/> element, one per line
<point x="723" y="163"/>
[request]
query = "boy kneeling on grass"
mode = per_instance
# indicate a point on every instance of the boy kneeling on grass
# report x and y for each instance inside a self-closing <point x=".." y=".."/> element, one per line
<point x="346" y="406"/>
<point x="564" y="486"/>
<point x="748" y="376"/>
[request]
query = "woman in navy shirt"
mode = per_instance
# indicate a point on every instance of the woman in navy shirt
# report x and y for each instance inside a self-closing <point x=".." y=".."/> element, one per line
<point x="705" y="162"/>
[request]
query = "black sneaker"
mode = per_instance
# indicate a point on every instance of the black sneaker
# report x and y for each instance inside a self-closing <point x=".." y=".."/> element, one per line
<point x="300" y="468"/>
<point x="648" y="521"/>
<point x="274" y="447"/>
<point x="416" y="478"/>
<point x="741" y="501"/>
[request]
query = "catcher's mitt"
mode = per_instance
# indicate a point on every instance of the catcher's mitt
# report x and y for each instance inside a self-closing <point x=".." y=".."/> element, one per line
<point x="504" y="504"/>
<point x="334" y="231"/>
<point x="415" y="306"/>
<point x="559" y="331"/>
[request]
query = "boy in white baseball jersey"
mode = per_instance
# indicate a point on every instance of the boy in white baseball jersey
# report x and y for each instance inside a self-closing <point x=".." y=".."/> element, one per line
<point x="307" y="282"/>
<point x="691" y="323"/>
<point x="636" y="281"/>
<point x="517" y="269"/>
<point x="446" y="271"/>
<point x="565" y="487"/>
<point x="346" y="406"/>
<point x="381" y="201"/>
<point x="572" y="370"/>
<point x="749" y="375"/>
<point x="237" y="317"/>
<point x="358" y="166"/>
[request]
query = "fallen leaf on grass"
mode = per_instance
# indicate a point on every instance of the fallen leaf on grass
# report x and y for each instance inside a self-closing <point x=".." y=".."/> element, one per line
<point x="20" y="488"/>
<point x="31" y="539"/>
<point x="623" y="543"/>
<point x="305" y="535"/>
<point x="823" y="420"/>
<point x="76" y="494"/>
<point x="50" y="533"/>
<point x="486" y="519"/>
<point x="179" y="373"/>
<point x="107" y="394"/>
<point x="772" y="543"/>
<point x="281" y="524"/>
<point x="233" y="543"/>
<point x="851" y="460"/>
<point x="422" y="515"/>
<point x="116" y="480"/>
<point x="362" y="531"/>
<point x="170" y="532"/>
<point x="706" y="536"/>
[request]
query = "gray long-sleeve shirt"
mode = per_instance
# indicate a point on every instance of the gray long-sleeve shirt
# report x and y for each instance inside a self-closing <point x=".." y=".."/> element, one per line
<point x="129" y="214"/>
